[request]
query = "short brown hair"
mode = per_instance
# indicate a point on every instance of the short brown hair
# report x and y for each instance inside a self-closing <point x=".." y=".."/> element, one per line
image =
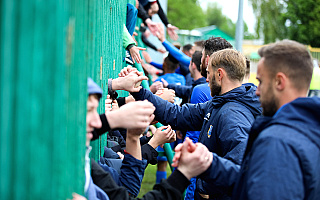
<point x="230" y="60"/>
<point x="291" y="58"/>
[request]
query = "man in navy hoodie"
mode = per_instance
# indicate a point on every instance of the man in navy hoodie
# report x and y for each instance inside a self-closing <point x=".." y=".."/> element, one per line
<point x="224" y="121"/>
<point x="282" y="158"/>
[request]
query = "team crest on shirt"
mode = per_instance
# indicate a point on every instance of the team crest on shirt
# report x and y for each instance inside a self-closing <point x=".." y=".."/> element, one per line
<point x="209" y="131"/>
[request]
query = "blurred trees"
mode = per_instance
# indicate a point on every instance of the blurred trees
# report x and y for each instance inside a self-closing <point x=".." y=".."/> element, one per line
<point x="294" y="19"/>
<point x="215" y="16"/>
<point x="186" y="14"/>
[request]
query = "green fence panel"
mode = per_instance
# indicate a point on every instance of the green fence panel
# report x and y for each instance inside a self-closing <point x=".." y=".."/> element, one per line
<point x="43" y="99"/>
<point x="105" y="51"/>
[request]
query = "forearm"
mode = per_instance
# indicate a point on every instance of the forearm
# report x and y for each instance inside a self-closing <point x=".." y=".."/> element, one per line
<point x="176" y="53"/>
<point x="146" y="42"/>
<point x="133" y="146"/>
<point x="149" y="153"/>
<point x="127" y="39"/>
<point x="168" y="113"/>
<point x="182" y="91"/>
<point x="132" y="172"/>
<point x="162" y="15"/>
<point x="157" y="65"/>
<point x="222" y="174"/>
<point x="142" y="13"/>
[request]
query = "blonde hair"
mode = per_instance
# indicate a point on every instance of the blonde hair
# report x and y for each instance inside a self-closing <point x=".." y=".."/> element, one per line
<point x="232" y="61"/>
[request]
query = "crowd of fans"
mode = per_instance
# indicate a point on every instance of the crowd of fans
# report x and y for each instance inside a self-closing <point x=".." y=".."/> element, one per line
<point x="232" y="139"/>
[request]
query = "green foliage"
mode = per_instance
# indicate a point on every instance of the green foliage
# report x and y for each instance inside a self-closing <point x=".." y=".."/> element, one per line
<point x="215" y="17"/>
<point x="186" y="14"/>
<point x="293" y="19"/>
<point x="302" y="21"/>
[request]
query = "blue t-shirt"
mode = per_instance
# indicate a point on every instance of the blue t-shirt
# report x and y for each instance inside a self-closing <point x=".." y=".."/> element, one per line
<point x="173" y="78"/>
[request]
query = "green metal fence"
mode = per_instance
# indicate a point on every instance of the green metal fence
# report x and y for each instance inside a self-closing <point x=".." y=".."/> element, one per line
<point x="48" y="49"/>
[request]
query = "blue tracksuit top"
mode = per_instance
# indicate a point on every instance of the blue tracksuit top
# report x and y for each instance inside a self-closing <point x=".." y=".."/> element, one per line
<point x="224" y="122"/>
<point x="282" y="157"/>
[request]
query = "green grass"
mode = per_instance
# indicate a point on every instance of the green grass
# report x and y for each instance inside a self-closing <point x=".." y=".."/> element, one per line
<point x="149" y="179"/>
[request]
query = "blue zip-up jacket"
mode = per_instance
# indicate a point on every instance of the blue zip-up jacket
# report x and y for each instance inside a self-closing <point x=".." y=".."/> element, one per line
<point x="282" y="157"/>
<point x="184" y="91"/>
<point x="224" y="122"/>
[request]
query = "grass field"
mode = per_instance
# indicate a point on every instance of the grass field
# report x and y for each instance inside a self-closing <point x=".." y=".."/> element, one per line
<point x="149" y="179"/>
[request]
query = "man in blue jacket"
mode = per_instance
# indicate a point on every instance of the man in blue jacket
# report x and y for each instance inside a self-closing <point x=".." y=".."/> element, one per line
<point x="282" y="156"/>
<point x="185" y="91"/>
<point x="224" y="121"/>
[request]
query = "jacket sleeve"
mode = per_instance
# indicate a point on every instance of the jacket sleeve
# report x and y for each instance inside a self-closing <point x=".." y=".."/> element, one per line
<point x="149" y="154"/>
<point x="132" y="172"/>
<point x="142" y="13"/>
<point x="222" y="173"/>
<point x="187" y="117"/>
<point x="147" y="42"/>
<point x="176" y="53"/>
<point x="157" y="65"/>
<point x="274" y="171"/>
<point x="104" y="128"/>
<point x="170" y="189"/>
<point x="127" y="39"/>
<point x="182" y="91"/>
<point x="162" y="15"/>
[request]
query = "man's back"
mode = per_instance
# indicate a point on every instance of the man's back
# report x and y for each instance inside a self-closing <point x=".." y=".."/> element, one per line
<point x="284" y="160"/>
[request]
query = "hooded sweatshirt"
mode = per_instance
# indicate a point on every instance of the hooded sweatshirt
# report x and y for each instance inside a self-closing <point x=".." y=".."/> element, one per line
<point x="282" y="160"/>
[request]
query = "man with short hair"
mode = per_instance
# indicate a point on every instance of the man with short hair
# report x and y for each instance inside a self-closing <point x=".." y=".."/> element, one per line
<point x="224" y="121"/>
<point x="282" y="156"/>
<point x="185" y="92"/>
<point x="188" y="49"/>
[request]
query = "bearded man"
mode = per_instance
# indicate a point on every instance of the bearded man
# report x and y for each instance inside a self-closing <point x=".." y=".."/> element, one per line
<point x="224" y="121"/>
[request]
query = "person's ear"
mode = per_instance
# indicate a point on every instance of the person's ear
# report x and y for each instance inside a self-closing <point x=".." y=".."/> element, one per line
<point x="220" y="74"/>
<point x="207" y="60"/>
<point x="193" y="66"/>
<point x="280" y="81"/>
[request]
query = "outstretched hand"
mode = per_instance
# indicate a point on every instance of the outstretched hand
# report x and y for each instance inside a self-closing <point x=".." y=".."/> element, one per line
<point x="134" y="52"/>
<point x="152" y="26"/>
<point x="166" y="94"/>
<point x="164" y="134"/>
<point x="172" y="32"/>
<point x="129" y="81"/>
<point x="160" y="33"/>
<point x="134" y="115"/>
<point x="192" y="159"/>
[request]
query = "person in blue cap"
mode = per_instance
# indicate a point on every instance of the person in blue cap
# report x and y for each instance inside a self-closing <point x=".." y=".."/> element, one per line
<point x="140" y="113"/>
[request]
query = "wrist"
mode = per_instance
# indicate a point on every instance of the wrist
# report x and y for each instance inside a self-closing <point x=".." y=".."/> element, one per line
<point x="115" y="84"/>
<point x="184" y="171"/>
<point x="148" y="21"/>
<point x="112" y="118"/>
<point x="153" y="143"/>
